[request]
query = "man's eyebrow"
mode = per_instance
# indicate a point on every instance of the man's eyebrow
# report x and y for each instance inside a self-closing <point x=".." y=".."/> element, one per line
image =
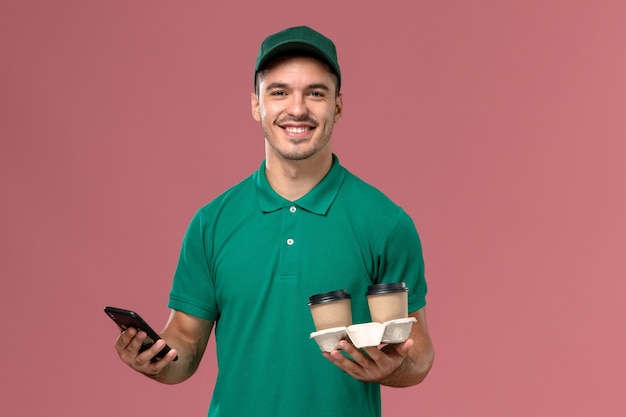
<point x="275" y="85"/>
<point x="315" y="86"/>
<point x="318" y="86"/>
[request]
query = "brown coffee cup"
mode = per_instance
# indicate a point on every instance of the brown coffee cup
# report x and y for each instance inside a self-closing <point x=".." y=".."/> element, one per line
<point x="331" y="309"/>
<point x="388" y="301"/>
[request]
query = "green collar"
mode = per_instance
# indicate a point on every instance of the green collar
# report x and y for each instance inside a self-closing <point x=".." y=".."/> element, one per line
<point x="317" y="201"/>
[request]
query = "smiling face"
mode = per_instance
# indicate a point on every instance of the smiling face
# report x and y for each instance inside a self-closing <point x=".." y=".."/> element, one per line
<point x="297" y="104"/>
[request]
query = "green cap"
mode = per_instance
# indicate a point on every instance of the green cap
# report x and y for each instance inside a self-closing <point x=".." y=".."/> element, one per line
<point x="298" y="39"/>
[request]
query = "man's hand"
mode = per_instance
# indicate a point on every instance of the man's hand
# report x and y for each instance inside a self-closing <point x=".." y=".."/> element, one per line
<point x="395" y="365"/>
<point x="187" y="335"/>
<point x="127" y="346"/>
<point x="370" y="364"/>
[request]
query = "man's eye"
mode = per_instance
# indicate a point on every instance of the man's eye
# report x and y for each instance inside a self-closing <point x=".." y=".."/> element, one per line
<point x="278" y="93"/>
<point x="316" y="94"/>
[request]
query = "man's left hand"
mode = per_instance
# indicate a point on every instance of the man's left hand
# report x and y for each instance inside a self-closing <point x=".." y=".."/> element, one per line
<point x="370" y="364"/>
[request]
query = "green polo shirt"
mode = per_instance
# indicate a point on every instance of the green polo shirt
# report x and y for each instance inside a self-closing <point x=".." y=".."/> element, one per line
<point x="250" y="260"/>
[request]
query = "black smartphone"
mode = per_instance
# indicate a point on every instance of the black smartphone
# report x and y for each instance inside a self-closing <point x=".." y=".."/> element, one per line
<point x="126" y="318"/>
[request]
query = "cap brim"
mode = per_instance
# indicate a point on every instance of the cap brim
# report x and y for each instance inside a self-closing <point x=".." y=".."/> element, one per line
<point x="293" y="47"/>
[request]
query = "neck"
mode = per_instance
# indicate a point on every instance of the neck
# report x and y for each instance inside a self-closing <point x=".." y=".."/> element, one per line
<point x="293" y="179"/>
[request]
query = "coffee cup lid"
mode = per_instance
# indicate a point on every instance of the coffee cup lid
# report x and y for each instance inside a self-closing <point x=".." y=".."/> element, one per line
<point x="387" y="288"/>
<point x="328" y="297"/>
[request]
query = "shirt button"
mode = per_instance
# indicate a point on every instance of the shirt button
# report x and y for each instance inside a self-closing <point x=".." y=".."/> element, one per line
<point x="290" y="241"/>
<point x="292" y="209"/>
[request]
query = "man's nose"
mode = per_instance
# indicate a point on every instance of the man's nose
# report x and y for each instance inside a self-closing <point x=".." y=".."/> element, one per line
<point x="297" y="105"/>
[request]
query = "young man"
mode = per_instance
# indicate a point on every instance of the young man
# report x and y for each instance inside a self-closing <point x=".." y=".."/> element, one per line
<point x="300" y="225"/>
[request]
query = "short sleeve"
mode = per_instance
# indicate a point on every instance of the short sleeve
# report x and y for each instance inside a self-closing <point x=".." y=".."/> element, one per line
<point x="193" y="287"/>
<point x="401" y="259"/>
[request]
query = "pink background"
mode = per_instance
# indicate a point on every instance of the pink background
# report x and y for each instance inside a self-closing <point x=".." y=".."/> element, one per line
<point x="499" y="126"/>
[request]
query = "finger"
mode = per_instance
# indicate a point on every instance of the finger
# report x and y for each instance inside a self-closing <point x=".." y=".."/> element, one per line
<point x="356" y="363"/>
<point x="342" y="362"/>
<point x="155" y="349"/>
<point x="125" y="337"/>
<point x="123" y="344"/>
<point x="136" y="342"/>
<point x="406" y="346"/>
<point x="400" y="349"/>
<point x="144" y="363"/>
<point x="146" y="356"/>
<point x="129" y="344"/>
<point x="357" y="354"/>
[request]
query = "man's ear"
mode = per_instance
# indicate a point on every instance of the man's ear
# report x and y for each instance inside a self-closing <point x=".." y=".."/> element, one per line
<point x="254" y="104"/>
<point x="338" y="107"/>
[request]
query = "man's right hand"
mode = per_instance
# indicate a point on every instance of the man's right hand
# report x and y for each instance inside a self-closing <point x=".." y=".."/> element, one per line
<point x="186" y="335"/>
<point x="127" y="346"/>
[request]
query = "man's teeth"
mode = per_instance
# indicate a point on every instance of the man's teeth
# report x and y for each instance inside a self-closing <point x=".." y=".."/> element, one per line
<point x="296" y="129"/>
